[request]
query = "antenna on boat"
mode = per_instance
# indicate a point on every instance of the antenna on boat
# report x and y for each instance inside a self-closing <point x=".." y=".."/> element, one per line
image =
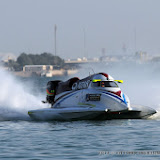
<point x="92" y="70"/>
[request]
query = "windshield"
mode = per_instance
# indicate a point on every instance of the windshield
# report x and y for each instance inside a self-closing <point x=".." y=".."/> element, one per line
<point x="104" y="84"/>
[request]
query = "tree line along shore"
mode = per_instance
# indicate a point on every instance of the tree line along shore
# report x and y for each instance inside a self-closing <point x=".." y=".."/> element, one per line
<point x="34" y="59"/>
<point x="45" y="64"/>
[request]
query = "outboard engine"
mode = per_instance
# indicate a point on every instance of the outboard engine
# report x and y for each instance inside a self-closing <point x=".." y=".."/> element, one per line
<point x="51" y="91"/>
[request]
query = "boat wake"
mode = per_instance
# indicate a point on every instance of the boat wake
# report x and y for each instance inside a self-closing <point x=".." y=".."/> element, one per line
<point x="15" y="98"/>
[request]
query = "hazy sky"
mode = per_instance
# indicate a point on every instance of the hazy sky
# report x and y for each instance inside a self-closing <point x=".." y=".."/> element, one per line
<point x="28" y="26"/>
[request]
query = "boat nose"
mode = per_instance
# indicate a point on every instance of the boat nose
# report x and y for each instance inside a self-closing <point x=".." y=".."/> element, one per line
<point x="147" y="112"/>
<point x="152" y="111"/>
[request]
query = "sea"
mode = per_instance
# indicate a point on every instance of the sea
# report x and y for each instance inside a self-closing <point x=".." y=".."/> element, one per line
<point x="23" y="138"/>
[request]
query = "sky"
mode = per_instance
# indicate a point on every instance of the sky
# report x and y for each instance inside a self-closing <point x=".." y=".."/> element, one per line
<point x="84" y="27"/>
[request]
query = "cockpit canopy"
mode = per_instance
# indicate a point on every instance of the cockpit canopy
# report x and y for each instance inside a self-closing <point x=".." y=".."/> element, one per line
<point x="104" y="84"/>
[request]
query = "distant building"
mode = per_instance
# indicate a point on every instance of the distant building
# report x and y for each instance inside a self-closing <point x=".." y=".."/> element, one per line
<point x="37" y="68"/>
<point x="5" y="57"/>
<point x="142" y="56"/>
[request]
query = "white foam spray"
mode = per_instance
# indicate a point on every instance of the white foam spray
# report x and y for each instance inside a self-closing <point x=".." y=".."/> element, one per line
<point x="15" y="98"/>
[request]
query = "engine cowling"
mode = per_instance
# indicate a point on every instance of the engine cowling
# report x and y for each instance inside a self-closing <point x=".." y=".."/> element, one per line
<point x="51" y="91"/>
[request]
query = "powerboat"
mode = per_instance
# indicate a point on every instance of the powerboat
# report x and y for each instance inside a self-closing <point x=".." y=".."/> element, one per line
<point x="96" y="97"/>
